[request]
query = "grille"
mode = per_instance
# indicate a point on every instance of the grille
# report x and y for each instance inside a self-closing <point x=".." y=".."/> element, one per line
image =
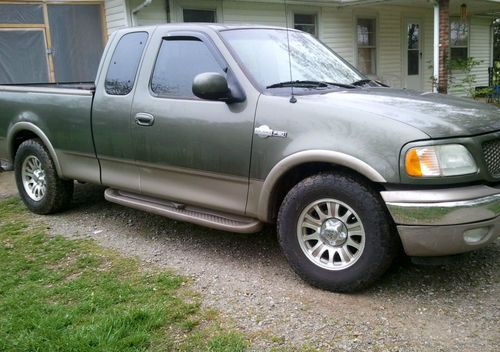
<point x="491" y="150"/>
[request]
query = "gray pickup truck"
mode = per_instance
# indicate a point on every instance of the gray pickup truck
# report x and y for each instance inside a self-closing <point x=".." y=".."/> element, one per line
<point x="232" y="127"/>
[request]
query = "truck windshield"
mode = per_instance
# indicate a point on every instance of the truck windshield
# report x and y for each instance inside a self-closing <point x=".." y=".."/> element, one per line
<point x="264" y="54"/>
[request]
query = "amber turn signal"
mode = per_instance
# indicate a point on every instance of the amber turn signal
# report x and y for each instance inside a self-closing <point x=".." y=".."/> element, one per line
<point x="412" y="163"/>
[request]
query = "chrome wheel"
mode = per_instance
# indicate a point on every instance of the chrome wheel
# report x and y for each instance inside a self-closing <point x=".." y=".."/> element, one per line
<point x="331" y="234"/>
<point x="33" y="178"/>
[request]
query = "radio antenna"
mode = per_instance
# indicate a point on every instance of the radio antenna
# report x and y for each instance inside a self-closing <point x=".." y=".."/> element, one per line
<point x="293" y="100"/>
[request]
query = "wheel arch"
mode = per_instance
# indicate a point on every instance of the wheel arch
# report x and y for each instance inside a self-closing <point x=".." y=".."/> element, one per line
<point x="294" y="168"/>
<point x="23" y="131"/>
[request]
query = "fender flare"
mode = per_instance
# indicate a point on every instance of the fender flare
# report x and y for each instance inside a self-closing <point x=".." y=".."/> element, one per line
<point x="305" y="157"/>
<point x="28" y="126"/>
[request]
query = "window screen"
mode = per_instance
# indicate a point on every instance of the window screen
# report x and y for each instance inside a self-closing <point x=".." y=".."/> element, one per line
<point x="178" y="62"/>
<point x="124" y="63"/>
<point x="207" y="16"/>
<point x="23" y="57"/>
<point x="77" y="41"/>
<point x="21" y="14"/>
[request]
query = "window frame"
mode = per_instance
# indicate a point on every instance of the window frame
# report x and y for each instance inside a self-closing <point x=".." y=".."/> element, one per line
<point x="178" y="6"/>
<point x="211" y="48"/>
<point x="214" y="10"/>
<point x="373" y="47"/>
<point x="308" y="13"/>
<point x="466" y="22"/>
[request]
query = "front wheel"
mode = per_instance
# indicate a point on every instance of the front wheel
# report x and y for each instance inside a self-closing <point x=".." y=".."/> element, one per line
<point x="336" y="233"/>
<point x="39" y="186"/>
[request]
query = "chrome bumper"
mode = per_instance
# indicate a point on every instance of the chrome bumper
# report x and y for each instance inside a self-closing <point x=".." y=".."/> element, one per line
<point x="435" y="222"/>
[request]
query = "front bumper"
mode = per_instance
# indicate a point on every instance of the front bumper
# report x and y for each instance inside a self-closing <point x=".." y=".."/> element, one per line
<point x="439" y="222"/>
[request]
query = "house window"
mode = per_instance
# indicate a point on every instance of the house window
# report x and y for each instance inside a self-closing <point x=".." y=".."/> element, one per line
<point x="367" y="50"/>
<point x="459" y="40"/>
<point x="206" y="16"/>
<point x="179" y="61"/>
<point x="306" y="23"/>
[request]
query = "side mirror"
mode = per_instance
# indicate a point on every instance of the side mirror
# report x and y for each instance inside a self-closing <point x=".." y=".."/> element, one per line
<point x="213" y="86"/>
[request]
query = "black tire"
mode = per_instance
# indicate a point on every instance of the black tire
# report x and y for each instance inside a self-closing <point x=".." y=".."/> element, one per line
<point x="380" y="242"/>
<point x="58" y="193"/>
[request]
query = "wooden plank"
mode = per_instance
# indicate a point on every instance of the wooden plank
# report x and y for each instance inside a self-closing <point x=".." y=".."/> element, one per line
<point x="52" y="72"/>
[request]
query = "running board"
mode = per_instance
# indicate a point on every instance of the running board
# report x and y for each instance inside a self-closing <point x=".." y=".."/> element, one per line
<point x="199" y="216"/>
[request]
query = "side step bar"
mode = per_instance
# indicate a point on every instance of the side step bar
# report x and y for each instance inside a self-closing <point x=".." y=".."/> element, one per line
<point x="204" y="217"/>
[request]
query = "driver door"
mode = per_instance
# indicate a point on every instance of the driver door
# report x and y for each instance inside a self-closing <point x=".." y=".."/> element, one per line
<point x="190" y="150"/>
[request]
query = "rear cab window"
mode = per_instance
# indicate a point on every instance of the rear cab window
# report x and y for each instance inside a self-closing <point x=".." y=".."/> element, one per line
<point x="124" y="63"/>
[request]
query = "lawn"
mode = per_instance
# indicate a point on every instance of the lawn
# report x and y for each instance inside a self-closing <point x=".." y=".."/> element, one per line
<point x="58" y="294"/>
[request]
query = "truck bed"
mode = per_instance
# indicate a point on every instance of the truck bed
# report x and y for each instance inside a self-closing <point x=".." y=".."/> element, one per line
<point x="61" y="113"/>
<point x="60" y="88"/>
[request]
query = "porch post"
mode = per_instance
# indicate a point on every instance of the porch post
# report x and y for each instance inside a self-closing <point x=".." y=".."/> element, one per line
<point x="444" y="44"/>
<point x="435" y="50"/>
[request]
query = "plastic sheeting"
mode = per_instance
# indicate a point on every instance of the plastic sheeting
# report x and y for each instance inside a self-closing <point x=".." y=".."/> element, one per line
<point x="21" y="14"/>
<point x="77" y="41"/>
<point x="23" y="57"/>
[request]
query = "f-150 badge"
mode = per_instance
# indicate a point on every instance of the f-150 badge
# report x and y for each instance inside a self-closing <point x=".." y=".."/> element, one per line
<point x="264" y="131"/>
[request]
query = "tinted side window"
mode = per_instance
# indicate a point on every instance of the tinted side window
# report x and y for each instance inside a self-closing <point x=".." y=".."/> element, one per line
<point x="178" y="62"/>
<point x="124" y="63"/>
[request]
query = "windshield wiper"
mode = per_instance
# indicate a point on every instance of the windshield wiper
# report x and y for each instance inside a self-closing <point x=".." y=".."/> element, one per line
<point x="368" y="82"/>
<point x="308" y="84"/>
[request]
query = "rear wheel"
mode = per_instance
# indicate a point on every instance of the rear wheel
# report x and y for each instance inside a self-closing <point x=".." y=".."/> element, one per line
<point x="37" y="181"/>
<point x="336" y="233"/>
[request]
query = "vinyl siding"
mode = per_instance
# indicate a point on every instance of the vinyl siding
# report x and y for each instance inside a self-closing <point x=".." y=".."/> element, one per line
<point x="116" y="15"/>
<point x="155" y="13"/>
<point x="479" y="49"/>
<point x="338" y="32"/>
<point x="266" y="14"/>
<point x="390" y="46"/>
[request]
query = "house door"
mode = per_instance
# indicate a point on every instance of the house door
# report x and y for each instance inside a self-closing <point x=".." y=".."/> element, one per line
<point x="413" y="54"/>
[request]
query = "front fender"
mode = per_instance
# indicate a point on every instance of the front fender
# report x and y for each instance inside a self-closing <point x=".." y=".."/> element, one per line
<point x="261" y="192"/>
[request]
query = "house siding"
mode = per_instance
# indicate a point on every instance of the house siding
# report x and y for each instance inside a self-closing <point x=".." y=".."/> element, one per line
<point x="338" y="32"/>
<point x="116" y="15"/>
<point x="265" y="14"/>
<point x="390" y="45"/>
<point x="479" y="49"/>
<point x="155" y="13"/>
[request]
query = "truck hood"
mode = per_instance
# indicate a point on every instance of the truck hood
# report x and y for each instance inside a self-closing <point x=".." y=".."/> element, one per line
<point x="437" y="115"/>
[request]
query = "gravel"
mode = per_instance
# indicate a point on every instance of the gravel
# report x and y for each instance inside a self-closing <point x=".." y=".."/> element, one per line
<point x="412" y="308"/>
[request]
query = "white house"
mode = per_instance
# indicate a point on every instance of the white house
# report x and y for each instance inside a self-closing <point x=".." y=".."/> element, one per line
<point x="394" y="41"/>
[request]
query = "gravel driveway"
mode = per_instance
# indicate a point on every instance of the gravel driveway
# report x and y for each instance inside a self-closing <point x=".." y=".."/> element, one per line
<point x="413" y="308"/>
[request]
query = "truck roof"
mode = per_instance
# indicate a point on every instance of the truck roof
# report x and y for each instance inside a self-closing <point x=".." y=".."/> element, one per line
<point x="204" y="26"/>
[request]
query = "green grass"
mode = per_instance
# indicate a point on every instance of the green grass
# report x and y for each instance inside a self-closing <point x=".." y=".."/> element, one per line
<point x="71" y="295"/>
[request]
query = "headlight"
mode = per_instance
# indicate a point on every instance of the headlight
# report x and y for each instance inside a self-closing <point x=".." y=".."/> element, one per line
<point x="439" y="160"/>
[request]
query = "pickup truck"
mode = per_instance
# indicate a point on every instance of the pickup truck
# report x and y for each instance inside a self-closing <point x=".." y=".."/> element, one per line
<point x="232" y="127"/>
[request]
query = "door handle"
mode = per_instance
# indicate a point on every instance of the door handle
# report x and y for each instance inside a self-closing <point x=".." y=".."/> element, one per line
<point x="144" y="119"/>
